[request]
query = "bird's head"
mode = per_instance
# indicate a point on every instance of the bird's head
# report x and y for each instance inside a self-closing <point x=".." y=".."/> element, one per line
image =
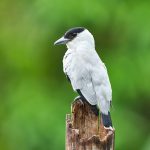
<point x="75" y="37"/>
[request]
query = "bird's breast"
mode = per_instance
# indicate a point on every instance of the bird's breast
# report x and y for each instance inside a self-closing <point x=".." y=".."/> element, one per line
<point x="68" y="60"/>
<point x="79" y="59"/>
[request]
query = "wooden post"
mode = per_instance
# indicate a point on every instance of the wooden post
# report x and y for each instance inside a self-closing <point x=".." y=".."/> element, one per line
<point x="84" y="131"/>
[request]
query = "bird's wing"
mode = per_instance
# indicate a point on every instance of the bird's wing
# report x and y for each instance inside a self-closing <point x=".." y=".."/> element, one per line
<point x="88" y="91"/>
<point x="85" y="85"/>
<point x="102" y="87"/>
<point x="80" y="78"/>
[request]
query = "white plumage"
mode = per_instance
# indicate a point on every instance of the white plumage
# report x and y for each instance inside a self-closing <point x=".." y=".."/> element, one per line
<point x="87" y="72"/>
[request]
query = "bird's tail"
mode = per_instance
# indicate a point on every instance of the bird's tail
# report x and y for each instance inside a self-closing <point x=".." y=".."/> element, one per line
<point x="106" y="120"/>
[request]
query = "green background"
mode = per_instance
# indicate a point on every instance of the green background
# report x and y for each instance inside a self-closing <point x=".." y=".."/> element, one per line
<point x="34" y="93"/>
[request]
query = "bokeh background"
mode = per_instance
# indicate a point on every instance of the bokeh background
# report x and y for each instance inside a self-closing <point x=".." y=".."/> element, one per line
<point x="34" y="93"/>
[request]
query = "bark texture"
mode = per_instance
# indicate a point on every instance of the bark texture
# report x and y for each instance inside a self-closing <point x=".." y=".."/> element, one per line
<point x="84" y="130"/>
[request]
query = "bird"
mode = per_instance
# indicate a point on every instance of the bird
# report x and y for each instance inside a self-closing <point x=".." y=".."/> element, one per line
<point x="86" y="72"/>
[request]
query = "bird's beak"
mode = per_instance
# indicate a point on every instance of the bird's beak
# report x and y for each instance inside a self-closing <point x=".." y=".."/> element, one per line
<point x="62" y="40"/>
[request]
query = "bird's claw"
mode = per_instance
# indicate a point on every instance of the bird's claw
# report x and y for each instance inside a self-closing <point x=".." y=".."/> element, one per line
<point x="78" y="98"/>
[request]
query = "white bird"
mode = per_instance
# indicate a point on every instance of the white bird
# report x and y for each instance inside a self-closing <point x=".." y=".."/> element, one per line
<point x="86" y="71"/>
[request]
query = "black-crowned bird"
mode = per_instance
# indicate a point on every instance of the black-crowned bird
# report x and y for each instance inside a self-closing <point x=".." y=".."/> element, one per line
<point x="86" y="71"/>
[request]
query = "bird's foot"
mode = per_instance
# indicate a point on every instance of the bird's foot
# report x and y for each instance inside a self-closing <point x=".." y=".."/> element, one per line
<point x="78" y="98"/>
<point x="82" y="100"/>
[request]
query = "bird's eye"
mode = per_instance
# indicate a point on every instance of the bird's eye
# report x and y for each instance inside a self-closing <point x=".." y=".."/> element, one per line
<point x="72" y="35"/>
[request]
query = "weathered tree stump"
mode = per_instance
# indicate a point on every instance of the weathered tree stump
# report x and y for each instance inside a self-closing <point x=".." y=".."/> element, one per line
<point x="84" y="130"/>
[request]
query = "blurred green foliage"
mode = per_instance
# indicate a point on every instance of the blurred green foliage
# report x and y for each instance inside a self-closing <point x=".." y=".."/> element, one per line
<point x="34" y="93"/>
